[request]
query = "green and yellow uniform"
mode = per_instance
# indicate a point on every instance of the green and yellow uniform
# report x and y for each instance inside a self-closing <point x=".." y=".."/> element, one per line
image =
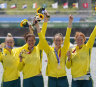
<point x="10" y="65"/>
<point x="80" y="60"/>
<point x="53" y="70"/>
<point x="31" y="64"/>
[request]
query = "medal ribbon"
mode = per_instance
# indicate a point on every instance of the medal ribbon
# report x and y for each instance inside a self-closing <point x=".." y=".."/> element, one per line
<point x="9" y="47"/>
<point x="58" y="57"/>
<point x="30" y="51"/>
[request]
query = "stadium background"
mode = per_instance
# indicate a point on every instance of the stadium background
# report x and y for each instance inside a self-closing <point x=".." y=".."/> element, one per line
<point x="12" y="12"/>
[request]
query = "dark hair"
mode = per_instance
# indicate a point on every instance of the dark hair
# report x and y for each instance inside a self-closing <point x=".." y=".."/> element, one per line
<point x="80" y="34"/>
<point x="28" y="35"/>
<point x="58" y="34"/>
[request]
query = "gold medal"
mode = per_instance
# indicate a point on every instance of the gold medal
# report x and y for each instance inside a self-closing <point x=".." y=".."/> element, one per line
<point x="58" y="67"/>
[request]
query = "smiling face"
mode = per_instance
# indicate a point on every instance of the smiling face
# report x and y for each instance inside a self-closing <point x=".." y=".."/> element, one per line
<point x="31" y="41"/>
<point x="9" y="42"/>
<point x="80" y="38"/>
<point x="58" y="40"/>
<point x="80" y="41"/>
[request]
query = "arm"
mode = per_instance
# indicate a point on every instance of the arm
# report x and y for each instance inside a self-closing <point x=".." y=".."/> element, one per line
<point x="30" y="29"/>
<point x="91" y="40"/>
<point x="43" y="45"/>
<point x="44" y="27"/>
<point x="19" y="49"/>
<point x="21" y="65"/>
<point x="67" y="37"/>
<point x="21" y="61"/>
<point x="43" y="41"/>
<point x="68" y="61"/>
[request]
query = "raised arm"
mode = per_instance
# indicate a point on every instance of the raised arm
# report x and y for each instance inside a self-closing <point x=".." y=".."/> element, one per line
<point x="68" y="32"/>
<point x="31" y="29"/>
<point x="42" y="39"/>
<point x="44" y="27"/>
<point x="91" y="40"/>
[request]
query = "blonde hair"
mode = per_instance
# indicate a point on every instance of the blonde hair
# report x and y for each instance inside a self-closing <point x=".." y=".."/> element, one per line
<point x="9" y="35"/>
<point x="58" y="34"/>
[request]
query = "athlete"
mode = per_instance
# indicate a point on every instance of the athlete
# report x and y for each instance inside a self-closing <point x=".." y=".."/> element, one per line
<point x="79" y="60"/>
<point x="57" y="57"/>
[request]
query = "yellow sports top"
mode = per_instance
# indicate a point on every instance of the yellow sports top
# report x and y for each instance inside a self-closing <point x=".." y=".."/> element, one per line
<point x="53" y="69"/>
<point x="10" y="65"/>
<point x="80" y="59"/>
<point x="32" y="62"/>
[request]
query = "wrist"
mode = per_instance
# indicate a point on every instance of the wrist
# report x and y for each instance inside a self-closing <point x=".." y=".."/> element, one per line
<point x="45" y="20"/>
<point x="69" y="25"/>
<point x="69" y="59"/>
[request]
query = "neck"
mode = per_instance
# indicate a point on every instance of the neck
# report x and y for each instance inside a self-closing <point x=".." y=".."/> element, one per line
<point x="9" y="49"/>
<point x="57" y="48"/>
<point x="30" y="48"/>
<point x="80" y="46"/>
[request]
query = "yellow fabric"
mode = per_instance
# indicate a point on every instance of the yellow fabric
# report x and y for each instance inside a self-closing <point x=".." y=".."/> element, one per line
<point x="53" y="69"/>
<point x="80" y="61"/>
<point x="10" y="63"/>
<point x="32" y="63"/>
<point x="17" y="52"/>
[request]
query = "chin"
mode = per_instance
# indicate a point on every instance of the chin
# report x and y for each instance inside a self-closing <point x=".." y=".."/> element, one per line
<point x="58" y="46"/>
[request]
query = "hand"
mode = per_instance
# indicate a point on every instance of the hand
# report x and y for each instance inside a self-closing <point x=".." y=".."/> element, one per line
<point x="35" y="21"/>
<point x="70" y="18"/>
<point x="37" y="25"/>
<point x="30" y="27"/>
<point x="69" y="55"/>
<point x="46" y="17"/>
<point x="70" y="21"/>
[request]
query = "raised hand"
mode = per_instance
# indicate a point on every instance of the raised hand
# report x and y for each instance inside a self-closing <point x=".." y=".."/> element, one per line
<point x="70" y="21"/>
<point x="70" y="18"/>
<point x="37" y="25"/>
<point x="46" y="16"/>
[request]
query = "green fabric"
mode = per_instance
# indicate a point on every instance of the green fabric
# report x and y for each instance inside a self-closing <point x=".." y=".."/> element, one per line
<point x="58" y="82"/>
<point x="82" y="83"/>
<point x="36" y="81"/>
<point x="14" y="83"/>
